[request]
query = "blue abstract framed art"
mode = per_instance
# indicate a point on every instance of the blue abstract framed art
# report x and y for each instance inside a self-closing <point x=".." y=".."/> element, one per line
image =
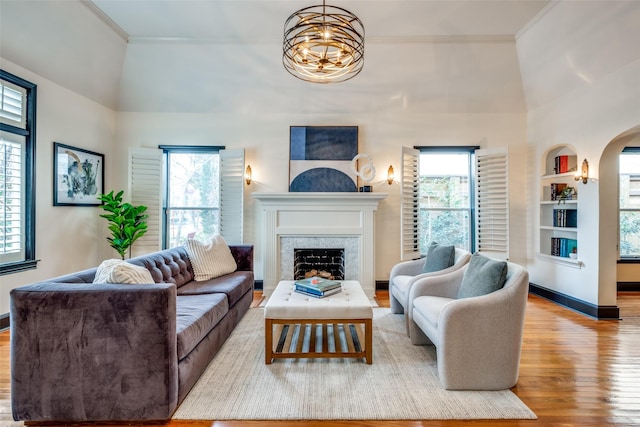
<point x="320" y="158"/>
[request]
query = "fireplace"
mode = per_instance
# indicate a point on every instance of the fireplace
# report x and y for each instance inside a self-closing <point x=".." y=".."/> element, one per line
<point x="318" y="221"/>
<point x="326" y="263"/>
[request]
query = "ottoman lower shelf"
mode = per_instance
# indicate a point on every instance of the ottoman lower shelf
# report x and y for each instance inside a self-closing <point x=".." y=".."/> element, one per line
<point x="318" y="338"/>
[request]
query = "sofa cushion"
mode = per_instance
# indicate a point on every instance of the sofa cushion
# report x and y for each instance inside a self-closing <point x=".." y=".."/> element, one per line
<point x="438" y="257"/>
<point x="120" y="271"/>
<point x="430" y="307"/>
<point x="234" y="285"/>
<point x="210" y="259"/>
<point x="483" y="276"/>
<point x="196" y="316"/>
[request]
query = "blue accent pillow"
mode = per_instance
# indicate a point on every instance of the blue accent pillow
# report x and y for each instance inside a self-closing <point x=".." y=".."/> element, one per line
<point x="483" y="276"/>
<point x="439" y="257"/>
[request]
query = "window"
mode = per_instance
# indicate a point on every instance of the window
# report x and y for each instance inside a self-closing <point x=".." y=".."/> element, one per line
<point x="191" y="204"/>
<point x="630" y="203"/>
<point x="189" y="191"/>
<point x="455" y="195"/>
<point x="17" y="173"/>
<point x="445" y="197"/>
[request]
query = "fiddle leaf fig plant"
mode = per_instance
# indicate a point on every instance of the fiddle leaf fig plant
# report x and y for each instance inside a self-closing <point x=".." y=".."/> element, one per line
<point x="127" y="223"/>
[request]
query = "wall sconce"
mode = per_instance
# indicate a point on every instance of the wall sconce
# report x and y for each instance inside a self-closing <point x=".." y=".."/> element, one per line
<point x="584" y="176"/>
<point x="247" y="175"/>
<point x="390" y="175"/>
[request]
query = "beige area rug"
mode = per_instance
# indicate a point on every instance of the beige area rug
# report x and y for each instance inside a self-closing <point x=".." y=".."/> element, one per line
<point x="402" y="383"/>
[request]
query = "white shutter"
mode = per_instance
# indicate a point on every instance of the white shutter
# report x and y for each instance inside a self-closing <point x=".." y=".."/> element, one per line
<point x="492" y="203"/>
<point x="13" y="108"/>
<point x="232" y="196"/>
<point x="409" y="209"/>
<point x="12" y="182"/>
<point x="145" y="188"/>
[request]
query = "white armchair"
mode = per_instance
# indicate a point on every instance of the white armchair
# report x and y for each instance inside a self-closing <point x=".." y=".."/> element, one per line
<point x="405" y="274"/>
<point x="478" y="339"/>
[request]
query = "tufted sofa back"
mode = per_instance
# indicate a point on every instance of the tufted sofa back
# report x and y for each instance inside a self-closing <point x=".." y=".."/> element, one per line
<point x="167" y="266"/>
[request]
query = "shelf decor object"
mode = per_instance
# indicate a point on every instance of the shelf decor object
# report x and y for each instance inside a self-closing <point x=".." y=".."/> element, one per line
<point x="323" y="44"/>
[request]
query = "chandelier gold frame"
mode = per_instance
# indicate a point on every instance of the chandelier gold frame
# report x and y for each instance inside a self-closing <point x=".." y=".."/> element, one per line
<point x="323" y="44"/>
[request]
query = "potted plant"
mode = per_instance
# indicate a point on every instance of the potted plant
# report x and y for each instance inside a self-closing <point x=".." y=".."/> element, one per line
<point x="126" y="222"/>
<point x="567" y="194"/>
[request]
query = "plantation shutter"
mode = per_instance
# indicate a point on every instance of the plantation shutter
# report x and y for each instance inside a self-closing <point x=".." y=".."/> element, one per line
<point x="492" y="203"/>
<point x="12" y="182"/>
<point x="13" y="104"/>
<point x="409" y="208"/>
<point x="145" y="188"/>
<point x="232" y="196"/>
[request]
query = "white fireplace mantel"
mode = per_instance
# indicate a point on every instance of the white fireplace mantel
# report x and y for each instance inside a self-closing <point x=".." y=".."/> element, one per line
<point x="321" y="215"/>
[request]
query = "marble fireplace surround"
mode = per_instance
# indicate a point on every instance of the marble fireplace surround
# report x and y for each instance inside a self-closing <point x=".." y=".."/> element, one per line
<point x="319" y="220"/>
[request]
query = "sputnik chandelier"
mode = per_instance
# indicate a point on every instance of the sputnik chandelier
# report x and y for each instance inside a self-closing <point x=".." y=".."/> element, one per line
<point x="323" y="44"/>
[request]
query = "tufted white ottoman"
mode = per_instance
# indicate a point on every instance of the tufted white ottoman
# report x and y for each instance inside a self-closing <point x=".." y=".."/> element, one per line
<point x="308" y="327"/>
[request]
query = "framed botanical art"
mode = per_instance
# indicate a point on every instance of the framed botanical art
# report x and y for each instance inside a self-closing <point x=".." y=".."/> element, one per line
<point x="78" y="176"/>
<point x="320" y="158"/>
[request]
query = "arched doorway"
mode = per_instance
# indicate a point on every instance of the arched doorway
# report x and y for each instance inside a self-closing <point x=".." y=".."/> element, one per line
<point x="609" y="210"/>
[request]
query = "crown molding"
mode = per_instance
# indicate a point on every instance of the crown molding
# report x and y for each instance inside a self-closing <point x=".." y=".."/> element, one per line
<point x="105" y="18"/>
<point x="395" y="40"/>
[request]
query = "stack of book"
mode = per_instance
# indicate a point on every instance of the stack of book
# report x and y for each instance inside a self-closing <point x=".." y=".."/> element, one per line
<point x="556" y="190"/>
<point x="317" y="287"/>
<point x="564" y="164"/>
<point x="565" y="218"/>
<point x="562" y="247"/>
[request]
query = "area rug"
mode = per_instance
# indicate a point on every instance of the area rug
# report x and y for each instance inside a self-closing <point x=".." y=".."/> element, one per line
<point x="401" y="384"/>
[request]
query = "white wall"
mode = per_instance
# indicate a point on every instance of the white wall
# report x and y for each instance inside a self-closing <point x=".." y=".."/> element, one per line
<point x="265" y="139"/>
<point x="581" y="73"/>
<point x="67" y="238"/>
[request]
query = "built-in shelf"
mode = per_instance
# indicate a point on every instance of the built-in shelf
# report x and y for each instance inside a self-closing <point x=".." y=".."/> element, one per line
<point x="548" y="227"/>
<point x="575" y="263"/>
<point x="555" y="202"/>
<point x="551" y="237"/>
<point x="559" y="175"/>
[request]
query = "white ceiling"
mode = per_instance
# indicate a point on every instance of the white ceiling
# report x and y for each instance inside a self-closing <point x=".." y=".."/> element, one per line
<point x="205" y="56"/>
<point x="262" y="20"/>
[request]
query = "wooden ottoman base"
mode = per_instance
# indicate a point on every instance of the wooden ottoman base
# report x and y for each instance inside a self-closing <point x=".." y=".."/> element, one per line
<point x="318" y="338"/>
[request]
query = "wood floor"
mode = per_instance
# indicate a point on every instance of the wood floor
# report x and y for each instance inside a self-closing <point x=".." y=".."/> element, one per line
<point x="574" y="371"/>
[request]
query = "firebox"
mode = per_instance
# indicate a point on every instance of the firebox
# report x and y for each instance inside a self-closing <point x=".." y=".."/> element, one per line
<point x="328" y="263"/>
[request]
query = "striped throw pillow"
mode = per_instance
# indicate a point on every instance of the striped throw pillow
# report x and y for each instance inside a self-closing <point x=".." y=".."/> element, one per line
<point x="120" y="271"/>
<point x="210" y="259"/>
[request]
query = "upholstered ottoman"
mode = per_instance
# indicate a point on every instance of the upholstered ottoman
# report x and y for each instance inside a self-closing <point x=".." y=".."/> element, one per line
<point x="309" y="327"/>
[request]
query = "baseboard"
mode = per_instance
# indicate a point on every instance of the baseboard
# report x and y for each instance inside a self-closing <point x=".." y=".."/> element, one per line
<point x="382" y="285"/>
<point x="4" y="321"/>
<point x="600" y="312"/>
<point x="628" y="286"/>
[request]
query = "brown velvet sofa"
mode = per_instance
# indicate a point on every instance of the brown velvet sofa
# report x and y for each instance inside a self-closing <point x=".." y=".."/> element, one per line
<point x="111" y="352"/>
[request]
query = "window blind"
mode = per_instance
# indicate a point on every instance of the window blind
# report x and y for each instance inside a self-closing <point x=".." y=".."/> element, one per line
<point x="492" y="203"/>
<point x="409" y="208"/>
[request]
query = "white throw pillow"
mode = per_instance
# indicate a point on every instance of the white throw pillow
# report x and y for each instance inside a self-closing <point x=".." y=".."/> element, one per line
<point x="120" y="271"/>
<point x="210" y="259"/>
